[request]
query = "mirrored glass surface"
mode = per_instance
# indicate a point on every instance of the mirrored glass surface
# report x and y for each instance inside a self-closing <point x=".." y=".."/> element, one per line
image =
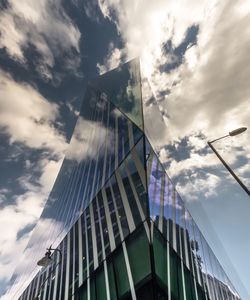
<point x="102" y="137"/>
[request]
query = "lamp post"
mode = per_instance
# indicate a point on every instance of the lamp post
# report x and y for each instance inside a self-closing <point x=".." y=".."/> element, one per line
<point x="45" y="262"/>
<point x="231" y="133"/>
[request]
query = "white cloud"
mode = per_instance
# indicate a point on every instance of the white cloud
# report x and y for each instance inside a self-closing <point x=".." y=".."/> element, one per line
<point x="3" y="193"/>
<point x="208" y="94"/>
<point x="43" y="24"/>
<point x="195" y="184"/>
<point x="26" y="261"/>
<point x="207" y="85"/>
<point x="72" y="109"/>
<point x="50" y="169"/>
<point x="88" y="139"/>
<point x="23" y="214"/>
<point x="27" y="117"/>
<point x="112" y="61"/>
<point x="14" y="218"/>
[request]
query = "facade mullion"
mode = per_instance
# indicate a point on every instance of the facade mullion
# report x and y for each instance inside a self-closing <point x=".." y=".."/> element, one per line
<point x="125" y="202"/>
<point x="108" y="219"/>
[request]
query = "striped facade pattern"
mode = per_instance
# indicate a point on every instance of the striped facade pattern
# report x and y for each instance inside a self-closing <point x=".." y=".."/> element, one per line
<point x="179" y="230"/>
<point x="127" y="234"/>
<point x="102" y="138"/>
<point x="114" y="213"/>
<point x="118" y="210"/>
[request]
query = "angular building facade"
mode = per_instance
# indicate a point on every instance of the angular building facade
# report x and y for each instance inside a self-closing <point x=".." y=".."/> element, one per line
<point x="120" y="226"/>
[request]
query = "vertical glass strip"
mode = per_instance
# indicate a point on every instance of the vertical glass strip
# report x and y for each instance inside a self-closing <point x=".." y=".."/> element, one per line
<point x="116" y="141"/>
<point x="162" y="184"/>
<point x="93" y="235"/>
<point x="80" y="254"/>
<point x="139" y="166"/>
<point x="56" y="276"/>
<point x="130" y="278"/>
<point x="45" y="287"/>
<point x="108" y="219"/>
<point x="174" y="219"/>
<point x="66" y="291"/>
<point x="74" y="257"/>
<point x="125" y="202"/>
<point x="37" y="284"/>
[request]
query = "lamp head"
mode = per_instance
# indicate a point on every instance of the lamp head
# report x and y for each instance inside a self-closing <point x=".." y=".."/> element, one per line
<point x="237" y="131"/>
<point x="46" y="260"/>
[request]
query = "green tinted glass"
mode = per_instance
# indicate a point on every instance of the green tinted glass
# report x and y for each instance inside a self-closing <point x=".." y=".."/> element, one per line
<point x="174" y="274"/>
<point x="189" y="285"/>
<point x="100" y="285"/>
<point x="139" y="259"/>
<point x="111" y="276"/>
<point x="83" y="295"/>
<point x="160" y="258"/>
<point x="121" y="273"/>
<point x="92" y="290"/>
<point x="181" y="283"/>
<point x="201" y="293"/>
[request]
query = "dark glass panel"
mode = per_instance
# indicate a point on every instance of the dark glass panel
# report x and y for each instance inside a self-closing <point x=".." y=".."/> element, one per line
<point x="100" y="285"/>
<point x="189" y="285"/>
<point x="121" y="273"/>
<point x="139" y="257"/>
<point x="180" y="279"/>
<point x="146" y="292"/>
<point x="174" y="274"/>
<point x="112" y="283"/>
<point x="92" y="289"/>
<point x="160" y="259"/>
<point x="201" y="293"/>
<point x="83" y="293"/>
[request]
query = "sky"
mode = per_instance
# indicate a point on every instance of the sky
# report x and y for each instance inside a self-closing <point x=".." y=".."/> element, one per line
<point x="195" y="55"/>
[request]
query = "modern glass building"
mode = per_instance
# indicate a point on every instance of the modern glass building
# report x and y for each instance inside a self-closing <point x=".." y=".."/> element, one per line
<point x="114" y="214"/>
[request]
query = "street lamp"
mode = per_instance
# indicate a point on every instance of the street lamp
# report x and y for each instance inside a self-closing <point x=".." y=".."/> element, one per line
<point x="46" y="261"/>
<point x="231" y="133"/>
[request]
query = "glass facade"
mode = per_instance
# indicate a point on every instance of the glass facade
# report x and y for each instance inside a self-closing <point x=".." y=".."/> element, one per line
<point x="122" y="228"/>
